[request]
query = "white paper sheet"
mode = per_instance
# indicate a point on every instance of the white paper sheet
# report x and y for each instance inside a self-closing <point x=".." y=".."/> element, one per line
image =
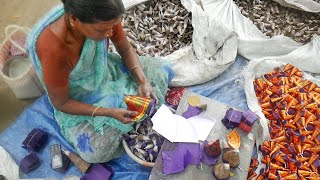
<point x="202" y="126"/>
<point x="164" y="123"/>
<point x="176" y="128"/>
<point x="184" y="130"/>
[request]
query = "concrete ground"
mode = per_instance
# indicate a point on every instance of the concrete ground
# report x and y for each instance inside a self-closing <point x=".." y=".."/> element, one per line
<point x="22" y="13"/>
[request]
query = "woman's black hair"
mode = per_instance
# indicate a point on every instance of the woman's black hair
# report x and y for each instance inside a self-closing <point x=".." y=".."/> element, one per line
<point x="92" y="11"/>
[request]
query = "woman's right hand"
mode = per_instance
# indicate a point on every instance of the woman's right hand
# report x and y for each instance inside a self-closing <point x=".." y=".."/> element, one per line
<point x="122" y="115"/>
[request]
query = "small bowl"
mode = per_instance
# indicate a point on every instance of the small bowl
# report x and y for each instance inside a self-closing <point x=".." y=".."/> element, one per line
<point x="134" y="157"/>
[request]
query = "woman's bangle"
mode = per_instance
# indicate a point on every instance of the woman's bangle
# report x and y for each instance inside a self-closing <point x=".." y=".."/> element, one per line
<point x="134" y="68"/>
<point x="95" y="110"/>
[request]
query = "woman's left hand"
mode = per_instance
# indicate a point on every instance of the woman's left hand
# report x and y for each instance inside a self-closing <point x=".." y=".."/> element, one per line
<point x="146" y="90"/>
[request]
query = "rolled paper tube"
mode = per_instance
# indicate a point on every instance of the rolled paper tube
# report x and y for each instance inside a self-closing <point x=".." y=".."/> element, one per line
<point x="289" y="124"/>
<point x="299" y="73"/>
<point x="302" y="159"/>
<point x="314" y="176"/>
<point x="284" y="115"/>
<point x="285" y="80"/>
<point x="292" y="165"/>
<point x="251" y="177"/>
<point x="272" y="176"/>
<point x="287" y="67"/>
<point x="279" y="139"/>
<point x="311" y="106"/>
<point x="315" y="133"/>
<point x="279" y="158"/>
<point x="312" y="86"/>
<point x="266" y="105"/>
<point x="311" y="119"/>
<point x="82" y="165"/>
<point x="291" y="177"/>
<point x="268" y="92"/>
<point x="314" y="169"/>
<point x="254" y="162"/>
<point x="304" y="173"/>
<point x="260" y="177"/>
<point x="275" y="149"/>
<point x="316" y="123"/>
<point x="282" y="174"/>
<point x="268" y="83"/>
<point x="302" y="177"/>
<point x="314" y="149"/>
<point x="296" y="117"/>
<point x="304" y="167"/>
<point x="260" y="83"/>
<point x="276" y="167"/>
<point x="264" y="159"/>
<point x="305" y="146"/>
<point x="317" y="140"/>
<point x="293" y="71"/>
<point x="267" y="145"/>
<point x="309" y="141"/>
<point x="295" y="138"/>
<point x="317" y="89"/>
<point x="140" y="104"/>
<point x="305" y="133"/>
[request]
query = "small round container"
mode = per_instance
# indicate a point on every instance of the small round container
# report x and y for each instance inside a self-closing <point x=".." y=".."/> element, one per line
<point x="135" y="158"/>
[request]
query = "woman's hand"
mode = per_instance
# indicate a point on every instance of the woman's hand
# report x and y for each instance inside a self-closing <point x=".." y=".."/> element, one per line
<point x="122" y="115"/>
<point x="146" y="90"/>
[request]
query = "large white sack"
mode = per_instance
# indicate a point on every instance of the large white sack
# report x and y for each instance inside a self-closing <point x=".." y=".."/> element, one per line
<point x="8" y="168"/>
<point x="304" y="5"/>
<point x="213" y="50"/>
<point x="306" y="58"/>
<point x="252" y="44"/>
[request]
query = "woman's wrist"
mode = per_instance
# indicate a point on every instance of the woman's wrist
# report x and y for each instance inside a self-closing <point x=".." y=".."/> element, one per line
<point x="100" y="111"/>
<point x="138" y="74"/>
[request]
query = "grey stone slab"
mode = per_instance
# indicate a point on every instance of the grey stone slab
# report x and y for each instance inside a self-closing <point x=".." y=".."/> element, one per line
<point x="215" y="110"/>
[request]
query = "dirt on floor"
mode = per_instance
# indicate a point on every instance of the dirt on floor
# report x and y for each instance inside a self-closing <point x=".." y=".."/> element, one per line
<point x="23" y="13"/>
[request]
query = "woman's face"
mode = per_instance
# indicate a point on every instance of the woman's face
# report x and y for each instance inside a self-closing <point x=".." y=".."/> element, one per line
<point x="98" y="31"/>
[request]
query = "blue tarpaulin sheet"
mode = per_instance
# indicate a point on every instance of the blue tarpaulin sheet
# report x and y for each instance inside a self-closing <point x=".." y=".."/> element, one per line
<point x="226" y="88"/>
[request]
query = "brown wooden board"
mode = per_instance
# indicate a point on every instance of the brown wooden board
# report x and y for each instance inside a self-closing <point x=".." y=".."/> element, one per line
<point x="215" y="110"/>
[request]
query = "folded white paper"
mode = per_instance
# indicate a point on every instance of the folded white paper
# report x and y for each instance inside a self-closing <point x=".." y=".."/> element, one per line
<point x="176" y="128"/>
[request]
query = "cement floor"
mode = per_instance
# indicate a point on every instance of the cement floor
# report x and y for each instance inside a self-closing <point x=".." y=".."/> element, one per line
<point x="22" y="13"/>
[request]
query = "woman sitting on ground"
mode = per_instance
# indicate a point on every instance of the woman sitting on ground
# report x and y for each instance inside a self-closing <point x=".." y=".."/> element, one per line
<point x="85" y="83"/>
